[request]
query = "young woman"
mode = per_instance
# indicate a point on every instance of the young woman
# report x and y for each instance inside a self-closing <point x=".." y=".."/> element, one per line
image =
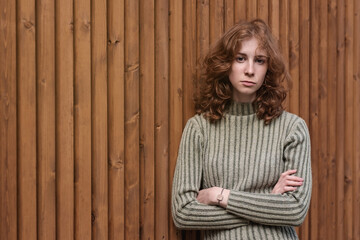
<point x="243" y="169"/>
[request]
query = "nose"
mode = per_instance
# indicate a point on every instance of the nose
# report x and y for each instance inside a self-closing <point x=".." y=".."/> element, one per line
<point x="249" y="69"/>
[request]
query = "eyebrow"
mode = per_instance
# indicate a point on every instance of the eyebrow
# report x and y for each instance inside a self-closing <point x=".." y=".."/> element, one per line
<point x="261" y="56"/>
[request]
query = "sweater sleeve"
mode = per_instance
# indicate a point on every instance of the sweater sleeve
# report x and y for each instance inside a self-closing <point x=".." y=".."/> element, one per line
<point x="289" y="208"/>
<point x="187" y="212"/>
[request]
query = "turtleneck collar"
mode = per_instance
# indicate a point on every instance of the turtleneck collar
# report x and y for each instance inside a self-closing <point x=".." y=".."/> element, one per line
<point x="241" y="109"/>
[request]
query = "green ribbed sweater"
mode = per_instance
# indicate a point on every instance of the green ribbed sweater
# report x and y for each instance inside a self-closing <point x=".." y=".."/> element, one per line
<point x="242" y="154"/>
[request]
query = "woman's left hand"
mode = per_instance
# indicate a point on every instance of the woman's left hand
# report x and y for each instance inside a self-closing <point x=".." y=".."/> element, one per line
<point x="208" y="196"/>
<point x="287" y="182"/>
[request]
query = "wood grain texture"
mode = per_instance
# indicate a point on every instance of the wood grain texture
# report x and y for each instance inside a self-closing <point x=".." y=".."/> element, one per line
<point x="349" y="121"/>
<point x="331" y="115"/>
<point x="356" y="136"/>
<point x="64" y="121"/>
<point x="82" y="118"/>
<point x="340" y="119"/>
<point x="240" y="10"/>
<point x="274" y="18"/>
<point x="189" y="59"/>
<point x="99" y="88"/>
<point x="8" y="122"/>
<point x="283" y="39"/>
<point x="251" y="11"/>
<point x="229" y="14"/>
<point x="64" y="129"/>
<point x="45" y="45"/>
<point x="176" y="91"/>
<point x="323" y="114"/>
<point x="216" y="20"/>
<point x="132" y="115"/>
<point x="26" y="126"/>
<point x="147" y="121"/>
<point x="203" y="29"/>
<point x="304" y="82"/>
<point x="174" y="72"/>
<point x="304" y="63"/>
<point x="94" y="96"/>
<point x="116" y="111"/>
<point x="314" y="118"/>
<point x="263" y="10"/>
<point x="294" y="56"/>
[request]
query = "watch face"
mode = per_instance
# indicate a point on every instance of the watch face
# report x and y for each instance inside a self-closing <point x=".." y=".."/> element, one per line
<point x="220" y="197"/>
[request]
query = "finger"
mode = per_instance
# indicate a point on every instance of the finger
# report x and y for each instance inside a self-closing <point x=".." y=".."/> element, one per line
<point x="289" y="172"/>
<point x="294" y="178"/>
<point x="287" y="189"/>
<point x="293" y="183"/>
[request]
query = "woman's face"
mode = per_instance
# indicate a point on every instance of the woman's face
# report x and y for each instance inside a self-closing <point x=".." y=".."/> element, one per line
<point x="248" y="71"/>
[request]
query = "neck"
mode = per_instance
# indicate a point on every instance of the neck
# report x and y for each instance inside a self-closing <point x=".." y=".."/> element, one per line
<point x="243" y="98"/>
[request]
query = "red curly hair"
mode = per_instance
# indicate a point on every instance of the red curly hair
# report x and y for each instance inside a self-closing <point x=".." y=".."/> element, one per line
<point x="216" y="89"/>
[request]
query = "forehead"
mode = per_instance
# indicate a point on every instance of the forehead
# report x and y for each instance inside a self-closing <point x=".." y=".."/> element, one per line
<point x="251" y="46"/>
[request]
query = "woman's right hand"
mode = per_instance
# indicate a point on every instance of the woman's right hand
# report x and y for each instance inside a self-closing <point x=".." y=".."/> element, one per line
<point x="287" y="182"/>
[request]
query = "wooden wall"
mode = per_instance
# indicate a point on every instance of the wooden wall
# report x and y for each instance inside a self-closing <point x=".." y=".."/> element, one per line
<point x="94" y="96"/>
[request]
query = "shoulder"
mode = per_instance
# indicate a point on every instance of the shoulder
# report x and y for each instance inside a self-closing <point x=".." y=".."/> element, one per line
<point x="198" y="122"/>
<point x="291" y="120"/>
<point x="295" y="125"/>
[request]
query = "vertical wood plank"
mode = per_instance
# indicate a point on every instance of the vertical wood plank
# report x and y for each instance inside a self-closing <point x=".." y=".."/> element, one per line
<point x="304" y="83"/>
<point x="294" y="56"/>
<point x="304" y="57"/>
<point x="189" y="61"/>
<point x="340" y="119"/>
<point x="314" y="117"/>
<point x="99" y="120"/>
<point x="331" y="117"/>
<point x="64" y="120"/>
<point x="203" y="38"/>
<point x="82" y="118"/>
<point x="27" y="179"/>
<point x="189" y="71"/>
<point x="349" y="120"/>
<point x="356" y="137"/>
<point x="228" y="14"/>
<point x="284" y="34"/>
<point x="216" y="20"/>
<point x="8" y="122"/>
<point x="162" y="107"/>
<point x="147" y="120"/>
<point x="132" y="183"/>
<point x="116" y="106"/>
<point x="263" y="10"/>
<point x="46" y="119"/>
<point x="202" y="45"/>
<point x="323" y="117"/>
<point x="60" y="75"/>
<point x="176" y="90"/>
<point x="240" y="10"/>
<point x="251" y="11"/>
<point x="274" y="18"/>
<point x="203" y="28"/>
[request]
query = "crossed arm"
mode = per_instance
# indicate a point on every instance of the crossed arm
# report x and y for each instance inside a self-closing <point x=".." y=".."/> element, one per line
<point x="286" y="183"/>
<point x="287" y="204"/>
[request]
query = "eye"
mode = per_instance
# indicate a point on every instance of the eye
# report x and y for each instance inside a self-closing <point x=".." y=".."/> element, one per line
<point x="260" y="61"/>
<point x="240" y="59"/>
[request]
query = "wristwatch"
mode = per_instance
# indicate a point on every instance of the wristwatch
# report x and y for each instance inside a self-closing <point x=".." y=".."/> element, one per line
<point x="220" y="197"/>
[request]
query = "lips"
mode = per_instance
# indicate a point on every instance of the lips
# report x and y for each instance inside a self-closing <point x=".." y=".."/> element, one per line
<point x="248" y="83"/>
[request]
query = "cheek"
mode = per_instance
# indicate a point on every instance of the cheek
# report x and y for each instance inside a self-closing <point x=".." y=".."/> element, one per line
<point x="263" y="73"/>
<point x="232" y="75"/>
<point x="232" y="78"/>
<point x="235" y="72"/>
